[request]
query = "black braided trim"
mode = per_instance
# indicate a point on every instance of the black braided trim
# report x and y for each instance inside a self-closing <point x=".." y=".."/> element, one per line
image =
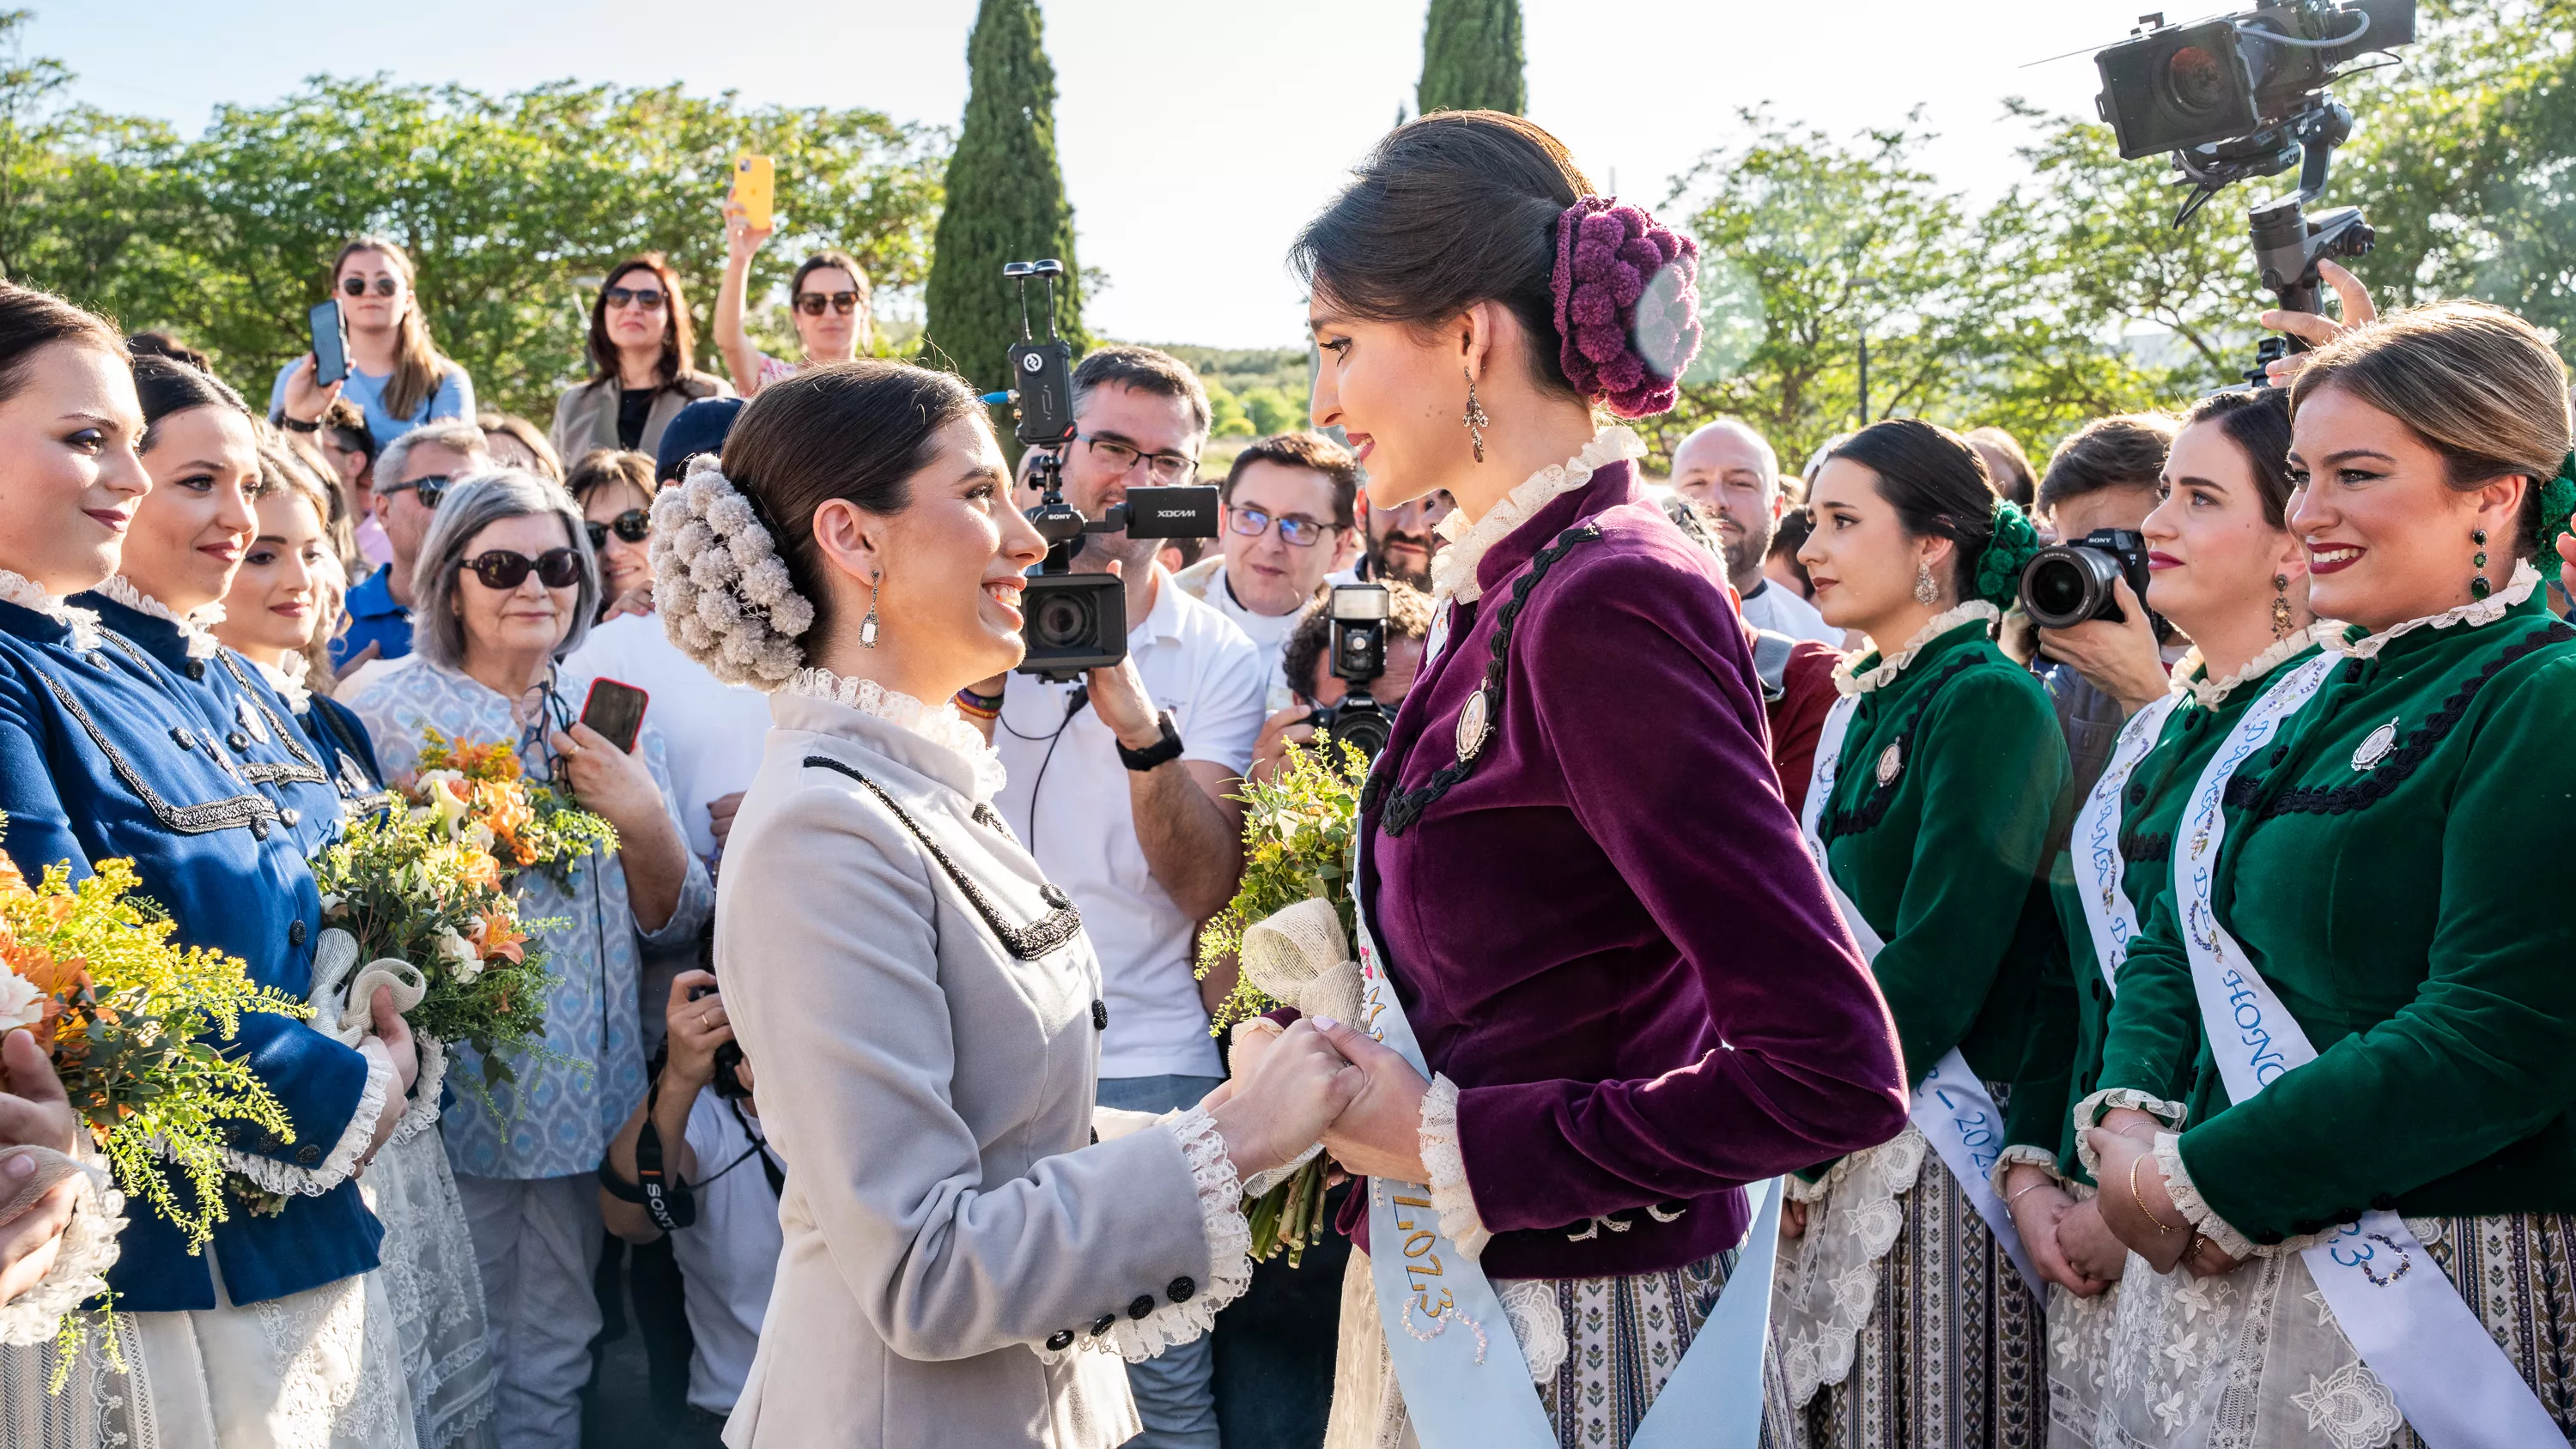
<point x="1405" y="809"/>
<point x="1028" y="943"/>
<point x="2402" y="762"/>
<point x="1873" y="808"/>
<point x="2147" y="849"/>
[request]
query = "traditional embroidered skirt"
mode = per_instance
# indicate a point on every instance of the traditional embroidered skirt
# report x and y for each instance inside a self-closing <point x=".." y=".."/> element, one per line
<point x="436" y="1293"/>
<point x="314" y="1370"/>
<point x="2255" y="1360"/>
<point x="2079" y="1362"/>
<point x="1612" y="1342"/>
<point x="1901" y="1322"/>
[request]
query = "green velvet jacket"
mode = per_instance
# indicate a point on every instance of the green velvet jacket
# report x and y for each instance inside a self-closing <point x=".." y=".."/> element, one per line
<point x="1950" y="777"/>
<point x="2150" y="809"/>
<point x="2393" y="867"/>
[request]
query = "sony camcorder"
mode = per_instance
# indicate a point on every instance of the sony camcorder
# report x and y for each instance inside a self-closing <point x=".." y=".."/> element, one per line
<point x="1077" y="621"/>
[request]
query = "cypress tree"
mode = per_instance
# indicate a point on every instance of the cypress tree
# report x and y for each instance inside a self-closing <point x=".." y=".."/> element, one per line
<point x="1005" y="203"/>
<point x="1472" y="58"/>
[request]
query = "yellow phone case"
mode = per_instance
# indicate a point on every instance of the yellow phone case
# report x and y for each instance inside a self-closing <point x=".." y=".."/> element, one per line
<point x="755" y="189"/>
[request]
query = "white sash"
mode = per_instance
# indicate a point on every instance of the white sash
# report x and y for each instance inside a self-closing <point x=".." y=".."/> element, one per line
<point x="1466" y="1384"/>
<point x="2403" y="1316"/>
<point x="1950" y="1106"/>
<point x="2096" y="845"/>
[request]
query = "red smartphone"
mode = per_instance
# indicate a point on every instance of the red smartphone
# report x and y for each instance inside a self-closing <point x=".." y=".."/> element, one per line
<point x="616" y="711"/>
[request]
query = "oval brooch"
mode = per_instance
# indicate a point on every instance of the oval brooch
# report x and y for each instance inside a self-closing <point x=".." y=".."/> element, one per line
<point x="2375" y="746"/>
<point x="1475" y="724"/>
<point x="1890" y="760"/>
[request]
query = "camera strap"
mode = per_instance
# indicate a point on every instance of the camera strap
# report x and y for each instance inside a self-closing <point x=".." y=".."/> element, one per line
<point x="665" y="1198"/>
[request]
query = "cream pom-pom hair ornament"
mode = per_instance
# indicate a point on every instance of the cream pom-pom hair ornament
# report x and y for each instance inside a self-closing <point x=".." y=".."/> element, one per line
<point x="723" y="592"/>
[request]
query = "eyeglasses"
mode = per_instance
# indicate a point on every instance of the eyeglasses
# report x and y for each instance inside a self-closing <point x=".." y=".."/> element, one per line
<point x="648" y="298"/>
<point x="634" y="525"/>
<point x="1253" y="522"/>
<point x="357" y="286"/>
<point x="1163" y="467"/>
<point x="811" y="303"/>
<point x="502" y="570"/>
<point x="431" y="489"/>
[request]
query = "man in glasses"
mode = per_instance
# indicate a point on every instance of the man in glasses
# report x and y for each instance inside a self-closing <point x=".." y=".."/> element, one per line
<point x="1288" y="523"/>
<point x="412" y="472"/>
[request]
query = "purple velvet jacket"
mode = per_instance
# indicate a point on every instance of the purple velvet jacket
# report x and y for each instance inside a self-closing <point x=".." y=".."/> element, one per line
<point x="1608" y="933"/>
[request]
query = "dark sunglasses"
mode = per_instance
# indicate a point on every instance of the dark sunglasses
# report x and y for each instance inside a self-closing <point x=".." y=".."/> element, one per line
<point x="357" y="286"/>
<point x="633" y="526"/>
<point x="811" y="303"/>
<point x="648" y="298"/>
<point x="1253" y="522"/>
<point x="502" y="570"/>
<point x="431" y="489"/>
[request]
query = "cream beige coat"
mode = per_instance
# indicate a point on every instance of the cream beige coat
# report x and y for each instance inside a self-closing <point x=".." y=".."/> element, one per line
<point x="931" y="1094"/>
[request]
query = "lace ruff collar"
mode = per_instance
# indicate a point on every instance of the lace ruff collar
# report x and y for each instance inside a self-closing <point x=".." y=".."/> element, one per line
<point x="2525" y="581"/>
<point x="192" y="626"/>
<point x="942" y="726"/>
<point x="1453" y="571"/>
<point x="289" y="681"/>
<point x="2210" y="696"/>
<point x="1848" y="683"/>
<point x="27" y="594"/>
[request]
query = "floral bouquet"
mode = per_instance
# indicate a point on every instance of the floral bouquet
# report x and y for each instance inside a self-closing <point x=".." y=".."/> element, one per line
<point x="1288" y="926"/>
<point x="530" y="824"/>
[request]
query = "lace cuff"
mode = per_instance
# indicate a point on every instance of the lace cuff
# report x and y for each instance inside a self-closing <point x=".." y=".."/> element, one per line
<point x="2089" y="1113"/>
<point x="1229" y="1239"/>
<point x="1448" y="1168"/>
<point x="88" y="1248"/>
<point x="2024" y="1155"/>
<point x="285" y="1177"/>
<point x="422" y="1113"/>
<point x="2196" y="1210"/>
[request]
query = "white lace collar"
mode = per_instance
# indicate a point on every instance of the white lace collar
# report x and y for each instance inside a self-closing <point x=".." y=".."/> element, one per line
<point x="2210" y="696"/>
<point x="193" y="626"/>
<point x="27" y="594"/>
<point x="942" y="725"/>
<point x="1453" y="570"/>
<point x="2525" y="581"/>
<point x="289" y="681"/>
<point x="1848" y="683"/>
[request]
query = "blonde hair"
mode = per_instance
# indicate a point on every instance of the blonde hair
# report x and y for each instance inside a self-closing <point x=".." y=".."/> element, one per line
<point x="419" y="366"/>
<point x="283" y="472"/>
<point x="2479" y="385"/>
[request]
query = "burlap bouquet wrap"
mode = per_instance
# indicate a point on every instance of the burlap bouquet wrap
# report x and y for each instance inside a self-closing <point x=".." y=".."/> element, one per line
<point x="1300" y="957"/>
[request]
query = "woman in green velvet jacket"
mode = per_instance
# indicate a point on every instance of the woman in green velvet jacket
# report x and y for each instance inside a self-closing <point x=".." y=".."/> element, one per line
<point x="2374" y="901"/>
<point x="1931" y="818"/>
<point x="2229" y="574"/>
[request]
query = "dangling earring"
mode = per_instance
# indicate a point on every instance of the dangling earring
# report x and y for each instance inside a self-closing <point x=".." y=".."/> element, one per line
<point x="868" y="625"/>
<point x="2479" y="588"/>
<point x="1924" y="592"/>
<point x="2280" y="606"/>
<point x="1476" y="420"/>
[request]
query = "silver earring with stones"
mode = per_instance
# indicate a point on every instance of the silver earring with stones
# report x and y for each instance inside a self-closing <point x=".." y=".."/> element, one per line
<point x="868" y="625"/>
<point x="1924" y="592"/>
<point x="1476" y="420"/>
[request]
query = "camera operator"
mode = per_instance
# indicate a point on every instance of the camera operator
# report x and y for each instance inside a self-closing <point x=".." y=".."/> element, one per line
<point x="1728" y="469"/>
<point x="2102" y="671"/>
<point x="1402" y="540"/>
<point x="726" y="1237"/>
<point x="1307" y="663"/>
<point x="1288" y="524"/>
<point x="1120" y="788"/>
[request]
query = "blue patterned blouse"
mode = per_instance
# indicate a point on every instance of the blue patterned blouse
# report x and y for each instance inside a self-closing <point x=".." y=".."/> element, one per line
<point x="554" y="1120"/>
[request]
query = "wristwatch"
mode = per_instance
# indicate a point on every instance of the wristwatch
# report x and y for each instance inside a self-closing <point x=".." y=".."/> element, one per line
<point x="1160" y="752"/>
<point x="298" y="425"/>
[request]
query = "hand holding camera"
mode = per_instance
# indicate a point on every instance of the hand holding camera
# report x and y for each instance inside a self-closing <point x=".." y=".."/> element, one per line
<point x="702" y="1050"/>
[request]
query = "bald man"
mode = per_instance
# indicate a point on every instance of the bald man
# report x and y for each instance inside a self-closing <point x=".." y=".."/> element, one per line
<point x="1729" y="469"/>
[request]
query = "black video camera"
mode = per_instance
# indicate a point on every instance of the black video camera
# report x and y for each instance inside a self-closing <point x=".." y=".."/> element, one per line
<point x="1077" y="621"/>
<point x="1359" y="615"/>
<point x="2068" y="583"/>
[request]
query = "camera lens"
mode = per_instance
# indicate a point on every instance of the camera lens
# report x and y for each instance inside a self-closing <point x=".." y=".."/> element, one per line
<point x="1365" y="730"/>
<point x="1062" y="621"/>
<point x="2195" y="82"/>
<point x="2066" y="585"/>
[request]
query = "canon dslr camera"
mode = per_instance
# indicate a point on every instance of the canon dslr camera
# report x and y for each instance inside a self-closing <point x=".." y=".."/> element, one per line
<point x="2068" y="583"/>
<point x="1359" y="615"/>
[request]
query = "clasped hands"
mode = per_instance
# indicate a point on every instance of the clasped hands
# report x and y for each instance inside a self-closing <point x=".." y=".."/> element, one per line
<point x="2136" y="1205"/>
<point x="1321" y="1080"/>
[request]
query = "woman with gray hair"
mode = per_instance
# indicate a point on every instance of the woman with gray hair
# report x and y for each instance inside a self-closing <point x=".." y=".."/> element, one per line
<point x="507" y="585"/>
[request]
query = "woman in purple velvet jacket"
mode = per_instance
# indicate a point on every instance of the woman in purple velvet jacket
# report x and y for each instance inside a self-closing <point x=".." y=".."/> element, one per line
<point x="1626" y="975"/>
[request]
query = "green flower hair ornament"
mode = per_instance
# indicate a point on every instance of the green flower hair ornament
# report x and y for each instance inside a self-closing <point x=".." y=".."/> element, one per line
<point x="2014" y="543"/>
<point x="2557" y="506"/>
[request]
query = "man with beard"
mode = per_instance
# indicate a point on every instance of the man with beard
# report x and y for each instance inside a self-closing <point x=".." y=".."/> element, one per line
<point x="1401" y="541"/>
<point x="1727" y="469"/>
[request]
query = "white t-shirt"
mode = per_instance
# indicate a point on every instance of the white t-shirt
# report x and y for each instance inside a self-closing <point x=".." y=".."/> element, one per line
<point x="1071" y="809"/>
<point x="1772" y="607"/>
<point x="728" y="1257"/>
<point x="714" y="730"/>
<point x="1268" y="633"/>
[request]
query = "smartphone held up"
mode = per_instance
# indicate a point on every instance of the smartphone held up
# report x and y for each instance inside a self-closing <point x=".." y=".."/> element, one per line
<point x="755" y="190"/>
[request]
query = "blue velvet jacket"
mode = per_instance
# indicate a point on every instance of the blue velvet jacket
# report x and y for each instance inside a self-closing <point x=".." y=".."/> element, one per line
<point x="104" y="753"/>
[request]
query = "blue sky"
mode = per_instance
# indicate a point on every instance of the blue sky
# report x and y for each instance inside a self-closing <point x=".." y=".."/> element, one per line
<point x="1195" y="134"/>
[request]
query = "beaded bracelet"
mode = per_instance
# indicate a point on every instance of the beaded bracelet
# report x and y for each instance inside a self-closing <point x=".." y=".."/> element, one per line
<point x="978" y="706"/>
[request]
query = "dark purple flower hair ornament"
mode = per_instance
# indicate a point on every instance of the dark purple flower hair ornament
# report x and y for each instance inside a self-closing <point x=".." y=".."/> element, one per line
<point x="1627" y="305"/>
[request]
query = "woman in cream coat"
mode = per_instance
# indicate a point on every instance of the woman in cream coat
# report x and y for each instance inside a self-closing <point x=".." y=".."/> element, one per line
<point x="963" y="1264"/>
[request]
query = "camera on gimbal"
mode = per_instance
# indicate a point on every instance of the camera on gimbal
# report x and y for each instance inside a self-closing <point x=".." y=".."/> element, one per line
<point x="1077" y="621"/>
<point x="2244" y="96"/>
<point x="1359" y="615"/>
<point x="2068" y="583"/>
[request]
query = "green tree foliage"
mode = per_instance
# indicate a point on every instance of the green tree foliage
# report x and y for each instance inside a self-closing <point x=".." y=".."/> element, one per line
<point x="1472" y="58"/>
<point x="1006" y="201"/>
<point x="504" y="201"/>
